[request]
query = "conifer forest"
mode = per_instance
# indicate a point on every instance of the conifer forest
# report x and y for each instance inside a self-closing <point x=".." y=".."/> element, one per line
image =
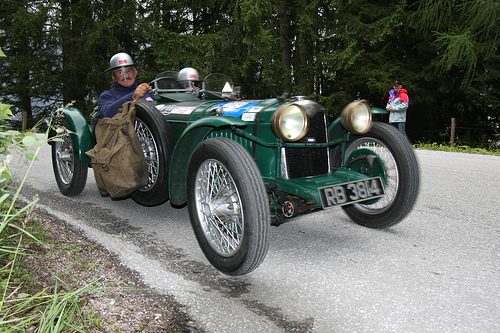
<point x="445" y="53"/>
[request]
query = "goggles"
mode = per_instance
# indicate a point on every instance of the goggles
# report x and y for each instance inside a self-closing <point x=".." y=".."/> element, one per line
<point x="125" y="72"/>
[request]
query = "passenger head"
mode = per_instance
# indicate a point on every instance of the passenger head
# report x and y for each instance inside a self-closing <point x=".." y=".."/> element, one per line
<point x="189" y="78"/>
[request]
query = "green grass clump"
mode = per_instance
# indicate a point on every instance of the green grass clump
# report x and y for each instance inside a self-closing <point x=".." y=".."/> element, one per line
<point x="457" y="148"/>
<point x="25" y="306"/>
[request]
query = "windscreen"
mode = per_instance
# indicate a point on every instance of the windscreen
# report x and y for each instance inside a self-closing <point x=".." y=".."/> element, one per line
<point x="217" y="82"/>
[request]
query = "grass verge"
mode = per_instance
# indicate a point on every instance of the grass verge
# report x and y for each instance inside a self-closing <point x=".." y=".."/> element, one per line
<point x="54" y="279"/>
<point x="60" y="281"/>
<point x="457" y="148"/>
<point x="25" y="305"/>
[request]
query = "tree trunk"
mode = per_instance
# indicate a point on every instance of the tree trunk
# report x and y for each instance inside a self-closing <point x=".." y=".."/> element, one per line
<point x="74" y="76"/>
<point x="285" y="45"/>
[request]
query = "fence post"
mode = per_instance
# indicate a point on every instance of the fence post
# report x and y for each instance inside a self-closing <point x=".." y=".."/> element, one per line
<point x="24" y="120"/>
<point x="452" y="139"/>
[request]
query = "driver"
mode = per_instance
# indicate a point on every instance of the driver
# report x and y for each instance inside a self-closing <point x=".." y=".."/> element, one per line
<point x="189" y="78"/>
<point x="125" y="87"/>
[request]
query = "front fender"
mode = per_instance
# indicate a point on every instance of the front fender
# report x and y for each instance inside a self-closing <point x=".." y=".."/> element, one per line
<point x="187" y="142"/>
<point x="82" y="137"/>
<point x="376" y="110"/>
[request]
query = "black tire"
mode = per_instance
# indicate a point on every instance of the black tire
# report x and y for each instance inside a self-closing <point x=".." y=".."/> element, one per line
<point x="221" y="174"/>
<point x="157" y="143"/>
<point x="69" y="171"/>
<point x="402" y="172"/>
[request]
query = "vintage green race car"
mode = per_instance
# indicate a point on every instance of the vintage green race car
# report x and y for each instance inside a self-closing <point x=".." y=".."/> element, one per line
<point x="244" y="165"/>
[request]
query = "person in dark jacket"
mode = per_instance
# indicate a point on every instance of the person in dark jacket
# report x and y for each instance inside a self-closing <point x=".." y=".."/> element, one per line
<point x="125" y="87"/>
<point x="397" y="105"/>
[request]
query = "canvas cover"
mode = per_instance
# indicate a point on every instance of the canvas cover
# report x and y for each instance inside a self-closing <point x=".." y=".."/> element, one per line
<point x="117" y="158"/>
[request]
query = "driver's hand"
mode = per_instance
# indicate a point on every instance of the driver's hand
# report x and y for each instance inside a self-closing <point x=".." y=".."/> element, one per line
<point x="141" y="90"/>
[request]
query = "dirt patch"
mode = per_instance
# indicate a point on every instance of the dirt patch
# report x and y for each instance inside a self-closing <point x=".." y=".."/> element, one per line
<point x="123" y="302"/>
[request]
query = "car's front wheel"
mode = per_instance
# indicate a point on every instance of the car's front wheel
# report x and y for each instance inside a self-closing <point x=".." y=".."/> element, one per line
<point x="228" y="206"/>
<point x="401" y="175"/>
<point x="69" y="171"/>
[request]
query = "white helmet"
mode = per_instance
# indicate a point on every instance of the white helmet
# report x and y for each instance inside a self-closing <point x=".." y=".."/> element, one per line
<point x="120" y="60"/>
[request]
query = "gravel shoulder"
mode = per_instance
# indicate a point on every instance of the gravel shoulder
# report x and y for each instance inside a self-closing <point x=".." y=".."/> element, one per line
<point x="123" y="302"/>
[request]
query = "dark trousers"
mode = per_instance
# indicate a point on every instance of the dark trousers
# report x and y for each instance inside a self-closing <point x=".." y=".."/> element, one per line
<point x="401" y="127"/>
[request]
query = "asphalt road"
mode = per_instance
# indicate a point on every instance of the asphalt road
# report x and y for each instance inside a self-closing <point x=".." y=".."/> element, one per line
<point x="437" y="271"/>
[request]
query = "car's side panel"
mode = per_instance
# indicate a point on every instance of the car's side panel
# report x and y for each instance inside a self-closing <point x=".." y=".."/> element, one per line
<point x="180" y="115"/>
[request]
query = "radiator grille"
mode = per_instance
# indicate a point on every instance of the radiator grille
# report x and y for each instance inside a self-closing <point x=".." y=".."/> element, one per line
<point x="304" y="162"/>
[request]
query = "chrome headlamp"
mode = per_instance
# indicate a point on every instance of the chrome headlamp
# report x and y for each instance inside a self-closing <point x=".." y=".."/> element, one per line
<point x="357" y="117"/>
<point x="289" y="122"/>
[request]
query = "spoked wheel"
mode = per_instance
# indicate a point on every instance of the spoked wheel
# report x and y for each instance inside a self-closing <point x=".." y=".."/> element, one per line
<point x="70" y="172"/>
<point x="157" y="144"/>
<point x="228" y="206"/>
<point x="401" y="174"/>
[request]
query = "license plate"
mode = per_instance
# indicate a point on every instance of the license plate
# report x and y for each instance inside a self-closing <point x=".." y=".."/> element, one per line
<point x="351" y="192"/>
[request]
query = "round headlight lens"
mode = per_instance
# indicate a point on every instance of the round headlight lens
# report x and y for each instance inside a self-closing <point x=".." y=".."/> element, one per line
<point x="357" y="117"/>
<point x="289" y="122"/>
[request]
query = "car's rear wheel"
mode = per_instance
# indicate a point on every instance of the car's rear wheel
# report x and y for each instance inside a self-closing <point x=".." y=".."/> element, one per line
<point x="157" y="143"/>
<point x="401" y="174"/>
<point x="69" y="171"/>
<point x="228" y="206"/>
